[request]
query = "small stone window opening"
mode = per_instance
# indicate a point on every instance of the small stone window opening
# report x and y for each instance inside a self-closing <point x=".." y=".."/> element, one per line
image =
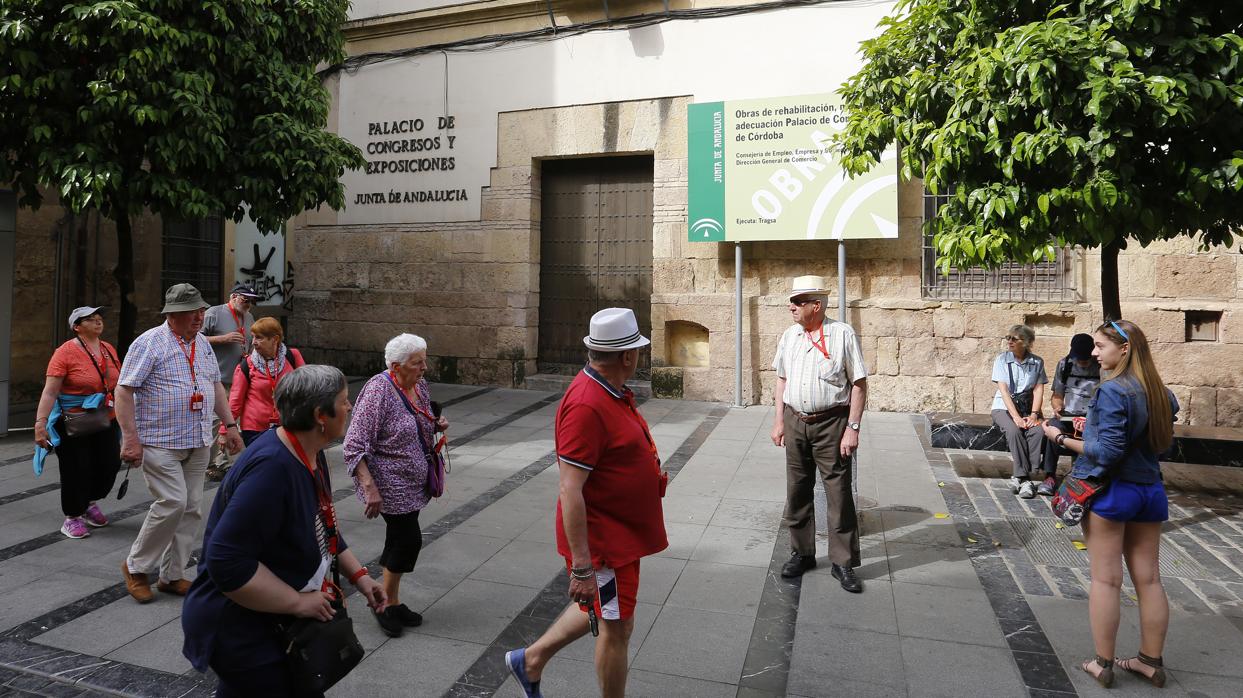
<point x="1203" y="325"/>
<point x="686" y="344"/>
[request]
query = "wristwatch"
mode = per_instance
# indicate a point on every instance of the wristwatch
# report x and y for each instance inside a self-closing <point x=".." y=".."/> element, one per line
<point x="854" y="425"/>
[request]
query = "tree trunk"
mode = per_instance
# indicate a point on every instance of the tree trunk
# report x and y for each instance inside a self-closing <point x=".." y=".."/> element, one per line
<point x="1110" y="303"/>
<point x="124" y="274"/>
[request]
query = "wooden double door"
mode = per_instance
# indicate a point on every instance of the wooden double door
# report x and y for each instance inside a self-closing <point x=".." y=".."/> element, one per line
<point x="595" y="251"/>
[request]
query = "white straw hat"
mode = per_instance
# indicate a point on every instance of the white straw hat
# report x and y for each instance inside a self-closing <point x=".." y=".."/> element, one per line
<point x="808" y="286"/>
<point x="615" y="329"/>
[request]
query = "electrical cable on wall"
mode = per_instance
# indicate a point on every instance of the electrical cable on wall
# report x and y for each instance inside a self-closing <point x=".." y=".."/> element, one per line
<point x="552" y="33"/>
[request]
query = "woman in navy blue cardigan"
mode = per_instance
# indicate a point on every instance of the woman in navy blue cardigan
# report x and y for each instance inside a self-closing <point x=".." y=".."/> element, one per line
<point x="1130" y="422"/>
<point x="264" y="554"/>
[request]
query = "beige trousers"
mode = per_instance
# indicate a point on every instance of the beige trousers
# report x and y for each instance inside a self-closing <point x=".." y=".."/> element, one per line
<point x="175" y="480"/>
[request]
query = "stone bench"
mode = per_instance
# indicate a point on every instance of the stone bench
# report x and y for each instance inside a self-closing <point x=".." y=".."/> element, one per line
<point x="1219" y="446"/>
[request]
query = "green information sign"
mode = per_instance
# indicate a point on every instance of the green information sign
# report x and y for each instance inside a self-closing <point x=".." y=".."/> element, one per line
<point x="761" y="169"/>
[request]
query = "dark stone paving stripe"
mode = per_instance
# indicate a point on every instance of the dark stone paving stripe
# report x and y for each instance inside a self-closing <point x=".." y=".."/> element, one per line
<point x="1039" y="666"/>
<point x="32" y="492"/>
<point x="119" y="678"/>
<point x="766" y="669"/>
<point x="467" y="396"/>
<point x="503" y="421"/>
<point x="17" y="459"/>
<point x="486" y="675"/>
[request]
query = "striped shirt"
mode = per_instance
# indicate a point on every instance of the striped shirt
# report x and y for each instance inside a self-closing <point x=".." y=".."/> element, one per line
<point x="157" y="367"/>
<point x="815" y="383"/>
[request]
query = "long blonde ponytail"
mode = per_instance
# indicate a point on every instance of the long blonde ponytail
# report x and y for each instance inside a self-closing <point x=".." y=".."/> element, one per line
<point x="1138" y="363"/>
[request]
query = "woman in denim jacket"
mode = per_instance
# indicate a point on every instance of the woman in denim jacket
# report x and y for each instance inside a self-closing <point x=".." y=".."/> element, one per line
<point x="1130" y="421"/>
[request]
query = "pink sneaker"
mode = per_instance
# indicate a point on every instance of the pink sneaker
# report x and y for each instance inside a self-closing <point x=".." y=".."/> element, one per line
<point x="94" y="517"/>
<point x="75" y="528"/>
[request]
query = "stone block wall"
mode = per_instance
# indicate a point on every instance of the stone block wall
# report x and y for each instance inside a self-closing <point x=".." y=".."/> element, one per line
<point x="38" y="327"/>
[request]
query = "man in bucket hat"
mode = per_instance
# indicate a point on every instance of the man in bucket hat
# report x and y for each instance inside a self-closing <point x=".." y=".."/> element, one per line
<point x="608" y="513"/>
<point x="166" y="395"/>
<point x="820" y="395"/>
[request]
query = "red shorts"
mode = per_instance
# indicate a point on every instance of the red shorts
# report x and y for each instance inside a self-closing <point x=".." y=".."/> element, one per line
<point x="618" y="591"/>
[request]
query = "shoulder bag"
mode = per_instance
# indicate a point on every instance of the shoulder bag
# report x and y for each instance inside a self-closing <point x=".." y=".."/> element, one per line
<point x="320" y="653"/>
<point x="432" y="451"/>
<point x="1074" y="496"/>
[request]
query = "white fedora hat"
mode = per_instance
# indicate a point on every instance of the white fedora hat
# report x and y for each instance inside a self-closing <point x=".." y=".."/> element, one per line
<point x="615" y="329"/>
<point x="808" y="286"/>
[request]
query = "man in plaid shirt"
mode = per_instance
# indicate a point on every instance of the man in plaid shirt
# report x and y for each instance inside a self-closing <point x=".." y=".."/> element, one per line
<point x="168" y="390"/>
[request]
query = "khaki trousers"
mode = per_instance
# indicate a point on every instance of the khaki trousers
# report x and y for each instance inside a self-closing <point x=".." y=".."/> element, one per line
<point x="175" y="480"/>
<point x="811" y="448"/>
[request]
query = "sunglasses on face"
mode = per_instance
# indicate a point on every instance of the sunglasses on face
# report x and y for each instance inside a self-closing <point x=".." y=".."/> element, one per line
<point x="800" y="302"/>
<point x="1012" y="338"/>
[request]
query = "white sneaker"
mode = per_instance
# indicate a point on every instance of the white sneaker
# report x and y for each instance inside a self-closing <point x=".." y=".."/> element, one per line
<point x="1027" y="490"/>
<point x="1016" y="484"/>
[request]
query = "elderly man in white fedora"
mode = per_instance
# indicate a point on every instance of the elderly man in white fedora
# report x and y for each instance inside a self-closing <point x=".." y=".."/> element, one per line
<point x="819" y="397"/>
<point x="166" y="395"/>
<point x="608" y="513"/>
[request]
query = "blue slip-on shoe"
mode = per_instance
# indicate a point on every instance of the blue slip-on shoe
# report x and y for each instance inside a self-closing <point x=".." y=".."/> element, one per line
<point x="516" y="661"/>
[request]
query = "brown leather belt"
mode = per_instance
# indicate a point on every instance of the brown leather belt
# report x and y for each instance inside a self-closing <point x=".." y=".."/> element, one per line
<point x="815" y="417"/>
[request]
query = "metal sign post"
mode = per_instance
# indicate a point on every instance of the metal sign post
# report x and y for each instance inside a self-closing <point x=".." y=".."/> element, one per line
<point x="841" y="280"/>
<point x="738" y="324"/>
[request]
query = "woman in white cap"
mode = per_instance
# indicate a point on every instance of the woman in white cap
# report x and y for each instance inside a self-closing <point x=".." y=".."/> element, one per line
<point x="81" y="378"/>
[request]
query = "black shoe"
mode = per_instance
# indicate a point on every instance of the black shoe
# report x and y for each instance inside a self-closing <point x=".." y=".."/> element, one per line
<point x="797" y="565"/>
<point x="215" y="474"/>
<point x="847" y="577"/>
<point x="408" y="618"/>
<point x="389" y="622"/>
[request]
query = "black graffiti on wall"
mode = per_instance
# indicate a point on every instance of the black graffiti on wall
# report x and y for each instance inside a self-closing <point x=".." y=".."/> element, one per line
<point x="266" y="284"/>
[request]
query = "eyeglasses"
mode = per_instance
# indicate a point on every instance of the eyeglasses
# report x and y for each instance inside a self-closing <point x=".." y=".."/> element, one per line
<point x="1012" y="338"/>
<point x="802" y="302"/>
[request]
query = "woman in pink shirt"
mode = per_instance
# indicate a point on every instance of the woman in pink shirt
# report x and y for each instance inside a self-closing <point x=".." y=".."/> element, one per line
<point x="256" y="376"/>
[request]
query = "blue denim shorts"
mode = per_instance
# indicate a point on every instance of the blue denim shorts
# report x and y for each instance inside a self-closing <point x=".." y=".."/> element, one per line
<point x="1126" y="501"/>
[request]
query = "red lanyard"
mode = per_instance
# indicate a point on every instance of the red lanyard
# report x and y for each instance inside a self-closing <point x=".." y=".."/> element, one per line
<point x="194" y="347"/>
<point x="430" y="417"/>
<point x="823" y="345"/>
<point x="326" y="509"/>
<point x="237" y="319"/>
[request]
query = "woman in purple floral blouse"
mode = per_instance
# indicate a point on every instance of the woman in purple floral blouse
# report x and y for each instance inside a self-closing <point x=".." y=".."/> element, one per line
<point x="386" y="448"/>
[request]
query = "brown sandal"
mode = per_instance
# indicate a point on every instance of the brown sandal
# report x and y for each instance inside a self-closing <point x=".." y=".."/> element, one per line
<point x="1106" y="676"/>
<point x="1158" y="674"/>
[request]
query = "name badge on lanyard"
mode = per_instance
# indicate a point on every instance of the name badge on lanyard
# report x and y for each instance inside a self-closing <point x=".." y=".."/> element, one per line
<point x="196" y="398"/>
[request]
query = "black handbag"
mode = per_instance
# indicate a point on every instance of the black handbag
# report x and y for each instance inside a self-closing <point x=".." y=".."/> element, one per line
<point x="87" y="422"/>
<point x="1023" y="399"/>
<point x="321" y="653"/>
<point x="318" y="654"/>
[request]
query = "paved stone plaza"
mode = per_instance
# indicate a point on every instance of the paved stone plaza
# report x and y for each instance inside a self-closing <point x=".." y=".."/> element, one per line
<point x="967" y="592"/>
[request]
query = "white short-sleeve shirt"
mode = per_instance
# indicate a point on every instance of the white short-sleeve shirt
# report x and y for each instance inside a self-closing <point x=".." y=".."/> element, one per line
<point x="815" y="383"/>
<point x="1027" y="374"/>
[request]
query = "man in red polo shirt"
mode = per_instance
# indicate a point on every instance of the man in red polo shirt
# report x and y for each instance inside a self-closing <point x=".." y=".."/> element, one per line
<point x="608" y="513"/>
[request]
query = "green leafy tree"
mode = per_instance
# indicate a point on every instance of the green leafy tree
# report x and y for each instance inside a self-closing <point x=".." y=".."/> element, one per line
<point x="1058" y="124"/>
<point x="185" y="108"/>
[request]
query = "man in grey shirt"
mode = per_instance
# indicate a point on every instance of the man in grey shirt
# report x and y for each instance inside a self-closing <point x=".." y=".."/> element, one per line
<point x="227" y="329"/>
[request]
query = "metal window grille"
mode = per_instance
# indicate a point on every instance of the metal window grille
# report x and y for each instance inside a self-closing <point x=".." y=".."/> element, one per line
<point x="194" y="254"/>
<point x="1041" y="281"/>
